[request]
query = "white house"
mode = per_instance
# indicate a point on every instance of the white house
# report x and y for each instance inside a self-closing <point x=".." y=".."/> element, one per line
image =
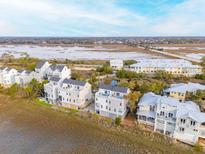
<point x="74" y="94"/>
<point x="41" y="68"/>
<point x="110" y="101"/>
<point x="23" y="77"/>
<point x="172" y="66"/>
<point x="51" y="90"/>
<point x="58" y="70"/>
<point x="7" y="76"/>
<point x="164" y="114"/>
<point x="116" y="64"/>
<point x="180" y="90"/>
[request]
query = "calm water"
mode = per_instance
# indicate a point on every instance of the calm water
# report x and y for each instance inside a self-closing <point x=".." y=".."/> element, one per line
<point x="72" y="53"/>
<point x="24" y="139"/>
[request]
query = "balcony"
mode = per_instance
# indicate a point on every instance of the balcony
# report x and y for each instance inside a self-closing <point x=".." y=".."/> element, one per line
<point x="109" y="95"/>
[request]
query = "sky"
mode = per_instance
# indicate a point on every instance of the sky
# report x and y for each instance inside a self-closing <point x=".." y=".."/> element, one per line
<point x="87" y="18"/>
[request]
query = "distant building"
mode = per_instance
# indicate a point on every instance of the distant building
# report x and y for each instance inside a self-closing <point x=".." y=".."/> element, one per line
<point x="58" y="70"/>
<point x="74" y="94"/>
<point x="110" y="101"/>
<point x="46" y="70"/>
<point x="68" y="93"/>
<point x="182" y="121"/>
<point x="181" y="90"/>
<point x="41" y="68"/>
<point x="116" y="64"/>
<point x="23" y="77"/>
<point x="51" y="90"/>
<point x="172" y="66"/>
<point x="7" y="76"/>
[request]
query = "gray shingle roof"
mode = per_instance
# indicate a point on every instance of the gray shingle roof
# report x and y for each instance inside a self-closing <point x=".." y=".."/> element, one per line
<point x="2" y="68"/>
<point x="74" y="82"/>
<point x="113" y="88"/>
<point x="40" y="64"/>
<point x="55" y="79"/>
<point x="20" y="71"/>
<point x="58" y="67"/>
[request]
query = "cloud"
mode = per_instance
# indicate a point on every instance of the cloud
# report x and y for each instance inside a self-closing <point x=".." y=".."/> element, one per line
<point x="184" y="19"/>
<point x="101" y="18"/>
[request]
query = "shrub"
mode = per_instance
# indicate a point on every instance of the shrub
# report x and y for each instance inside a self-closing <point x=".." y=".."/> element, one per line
<point x="117" y="121"/>
<point x="198" y="147"/>
<point x="13" y="90"/>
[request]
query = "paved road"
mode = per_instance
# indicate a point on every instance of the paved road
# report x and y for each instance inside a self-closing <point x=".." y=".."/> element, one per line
<point x="176" y="56"/>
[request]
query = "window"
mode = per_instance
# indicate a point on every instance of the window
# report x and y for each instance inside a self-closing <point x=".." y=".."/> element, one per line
<point x="117" y="94"/>
<point x="120" y="104"/>
<point x="193" y="123"/>
<point x="161" y="113"/>
<point x="183" y="121"/>
<point x="181" y="129"/>
<point x="101" y="106"/>
<point x="170" y="115"/>
<point x="114" y="110"/>
<point x="106" y="107"/>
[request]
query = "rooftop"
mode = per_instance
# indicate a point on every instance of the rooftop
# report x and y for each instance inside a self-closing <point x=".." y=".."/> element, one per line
<point x="113" y="88"/>
<point x="74" y="82"/>
<point x="185" y="87"/>
<point x="58" y="67"/>
<point x="40" y="64"/>
<point x="164" y="63"/>
<point x="55" y="79"/>
<point x="187" y="109"/>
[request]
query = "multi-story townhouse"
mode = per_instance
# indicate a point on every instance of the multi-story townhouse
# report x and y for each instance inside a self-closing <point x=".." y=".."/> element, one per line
<point x="51" y="90"/>
<point x="74" y="94"/>
<point x="58" y="70"/>
<point x="172" y="66"/>
<point x="7" y="76"/>
<point x="171" y="117"/>
<point x="23" y="77"/>
<point x="190" y="126"/>
<point x="116" y="64"/>
<point x="181" y="90"/>
<point x="41" y="68"/>
<point x="110" y="101"/>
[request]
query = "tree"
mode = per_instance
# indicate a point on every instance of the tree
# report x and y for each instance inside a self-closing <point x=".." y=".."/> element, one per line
<point x="203" y="62"/>
<point x="93" y="81"/>
<point x="105" y="69"/>
<point x="133" y="98"/>
<point x="154" y="86"/>
<point x="29" y="93"/>
<point x="129" y="62"/>
<point x="163" y="75"/>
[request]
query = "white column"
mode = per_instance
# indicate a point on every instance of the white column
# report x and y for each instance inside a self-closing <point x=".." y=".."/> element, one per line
<point x="165" y="127"/>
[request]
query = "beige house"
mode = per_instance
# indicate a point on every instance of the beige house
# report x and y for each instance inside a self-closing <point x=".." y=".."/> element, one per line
<point x="172" y="66"/>
<point x="181" y="90"/>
